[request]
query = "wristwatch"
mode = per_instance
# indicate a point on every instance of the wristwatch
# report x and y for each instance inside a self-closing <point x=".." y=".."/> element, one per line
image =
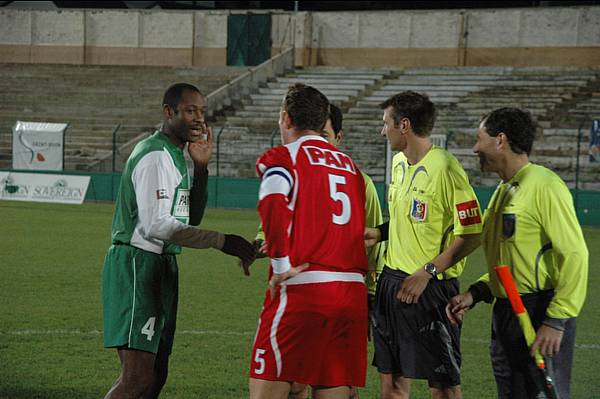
<point x="431" y="269"/>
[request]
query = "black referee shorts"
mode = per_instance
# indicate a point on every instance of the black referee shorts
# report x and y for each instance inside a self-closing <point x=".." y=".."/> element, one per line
<point x="516" y="374"/>
<point x="416" y="340"/>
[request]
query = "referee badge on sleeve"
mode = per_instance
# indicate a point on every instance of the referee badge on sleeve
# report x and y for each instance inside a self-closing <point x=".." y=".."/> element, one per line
<point x="468" y="213"/>
<point x="418" y="210"/>
<point x="509" y="222"/>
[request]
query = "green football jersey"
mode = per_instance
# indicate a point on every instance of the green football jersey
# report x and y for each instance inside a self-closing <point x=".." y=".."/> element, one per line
<point x="154" y="196"/>
<point x="530" y="225"/>
<point x="430" y="203"/>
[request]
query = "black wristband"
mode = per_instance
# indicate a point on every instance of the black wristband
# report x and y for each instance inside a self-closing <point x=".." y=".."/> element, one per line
<point x="384" y="230"/>
<point x="480" y="292"/>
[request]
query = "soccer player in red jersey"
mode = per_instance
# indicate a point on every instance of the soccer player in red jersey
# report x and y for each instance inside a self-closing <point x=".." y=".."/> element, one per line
<point x="313" y="326"/>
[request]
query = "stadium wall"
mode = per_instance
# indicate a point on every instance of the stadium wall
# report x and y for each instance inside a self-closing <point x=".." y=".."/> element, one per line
<point x="513" y="37"/>
<point x="229" y="192"/>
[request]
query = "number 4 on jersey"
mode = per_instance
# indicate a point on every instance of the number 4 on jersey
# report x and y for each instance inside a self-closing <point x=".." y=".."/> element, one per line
<point x="148" y="328"/>
<point x="344" y="217"/>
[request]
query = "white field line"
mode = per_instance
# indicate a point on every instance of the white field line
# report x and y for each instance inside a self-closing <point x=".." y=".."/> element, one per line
<point x="229" y="333"/>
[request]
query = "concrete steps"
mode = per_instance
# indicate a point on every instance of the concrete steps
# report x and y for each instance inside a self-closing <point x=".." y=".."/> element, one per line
<point x="94" y="99"/>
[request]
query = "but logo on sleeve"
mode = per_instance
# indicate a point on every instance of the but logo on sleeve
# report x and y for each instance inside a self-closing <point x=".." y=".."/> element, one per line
<point x="468" y="213"/>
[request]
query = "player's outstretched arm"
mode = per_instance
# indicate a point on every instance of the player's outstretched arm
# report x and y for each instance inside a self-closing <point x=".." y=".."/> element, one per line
<point x="230" y="244"/>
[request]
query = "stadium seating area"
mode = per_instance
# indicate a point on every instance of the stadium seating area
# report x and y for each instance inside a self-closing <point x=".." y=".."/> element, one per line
<point x="561" y="99"/>
<point x="95" y="99"/>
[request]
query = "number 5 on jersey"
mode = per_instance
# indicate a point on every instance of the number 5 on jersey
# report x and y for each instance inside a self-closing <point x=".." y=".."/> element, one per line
<point x="258" y="358"/>
<point x="334" y="181"/>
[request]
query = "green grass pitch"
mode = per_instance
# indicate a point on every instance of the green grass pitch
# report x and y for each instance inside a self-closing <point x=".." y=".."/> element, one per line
<point x="51" y="316"/>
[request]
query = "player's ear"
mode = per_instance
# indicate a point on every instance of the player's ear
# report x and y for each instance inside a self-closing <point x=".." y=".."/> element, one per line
<point x="405" y="125"/>
<point x="502" y="141"/>
<point x="339" y="137"/>
<point x="168" y="112"/>
<point x="286" y="120"/>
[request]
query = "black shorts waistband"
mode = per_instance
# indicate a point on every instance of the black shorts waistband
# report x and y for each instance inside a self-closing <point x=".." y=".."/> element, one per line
<point x="394" y="273"/>
<point x="401" y="275"/>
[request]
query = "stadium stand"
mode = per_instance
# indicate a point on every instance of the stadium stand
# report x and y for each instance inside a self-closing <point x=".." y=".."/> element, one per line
<point x="94" y="99"/>
<point x="562" y="100"/>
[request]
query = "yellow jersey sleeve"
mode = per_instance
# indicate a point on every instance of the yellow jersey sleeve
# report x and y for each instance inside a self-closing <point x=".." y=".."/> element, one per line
<point x="559" y="221"/>
<point x="373" y="218"/>
<point x="463" y="201"/>
<point x="260" y="234"/>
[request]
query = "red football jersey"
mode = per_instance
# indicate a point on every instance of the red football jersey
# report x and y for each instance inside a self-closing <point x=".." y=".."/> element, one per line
<point x="312" y="207"/>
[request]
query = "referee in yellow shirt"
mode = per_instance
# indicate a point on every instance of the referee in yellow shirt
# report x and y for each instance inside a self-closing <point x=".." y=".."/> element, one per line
<point x="530" y="225"/>
<point x="434" y="223"/>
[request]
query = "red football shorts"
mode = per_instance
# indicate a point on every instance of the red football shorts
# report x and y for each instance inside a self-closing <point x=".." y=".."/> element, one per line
<point x="314" y="331"/>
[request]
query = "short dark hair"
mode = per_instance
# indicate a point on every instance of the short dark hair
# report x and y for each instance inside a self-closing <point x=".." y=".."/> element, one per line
<point x="417" y="107"/>
<point x="516" y="124"/>
<point x="172" y="96"/>
<point x="307" y="107"/>
<point x="335" y="115"/>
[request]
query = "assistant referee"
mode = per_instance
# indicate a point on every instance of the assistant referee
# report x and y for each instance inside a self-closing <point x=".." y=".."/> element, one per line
<point x="531" y="226"/>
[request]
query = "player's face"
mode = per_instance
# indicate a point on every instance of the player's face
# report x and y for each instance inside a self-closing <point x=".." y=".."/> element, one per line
<point x="393" y="132"/>
<point x="187" y="123"/>
<point x="330" y="135"/>
<point x="486" y="149"/>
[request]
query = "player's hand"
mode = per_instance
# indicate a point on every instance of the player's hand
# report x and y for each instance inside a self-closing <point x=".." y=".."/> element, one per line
<point x="547" y="340"/>
<point x="260" y="246"/>
<point x="372" y="236"/>
<point x="457" y="307"/>
<point x="201" y="151"/>
<point x="277" y="279"/>
<point x="238" y="246"/>
<point x="413" y="286"/>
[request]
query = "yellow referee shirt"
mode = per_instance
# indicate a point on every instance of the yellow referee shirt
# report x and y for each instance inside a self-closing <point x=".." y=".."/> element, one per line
<point x="373" y="218"/>
<point x="530" y="225"/>
<point x="430" y="203"/>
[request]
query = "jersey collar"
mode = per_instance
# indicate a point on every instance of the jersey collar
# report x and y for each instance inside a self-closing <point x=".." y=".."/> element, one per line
<point x="308" y="137"/>
<point x="519" y="173"/>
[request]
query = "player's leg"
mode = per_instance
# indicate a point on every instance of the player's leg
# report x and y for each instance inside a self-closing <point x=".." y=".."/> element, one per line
<point x="169" y="293"/>
<point x="561" y="364"/>
<point x="133" y="315"/>
<point x="298" y="391"/>
<point x="331" y="392"/>
<point x="394" y="386"/>
<point x="509" y="363"/>
<point x="354" y="393"/>
<point x="265" y="389"/>
<point x="136" y="374"/>
<point x="386" y="337"/>
<point x="441" y="391"/>
<point x="159" y="374"/>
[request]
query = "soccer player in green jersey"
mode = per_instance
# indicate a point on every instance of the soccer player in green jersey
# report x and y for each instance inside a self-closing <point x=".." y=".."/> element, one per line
<point x="333" y="132"/>
<point x="434" y="223"/>
<point x="530" y="225"/>
<point x="154" y="209"/>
